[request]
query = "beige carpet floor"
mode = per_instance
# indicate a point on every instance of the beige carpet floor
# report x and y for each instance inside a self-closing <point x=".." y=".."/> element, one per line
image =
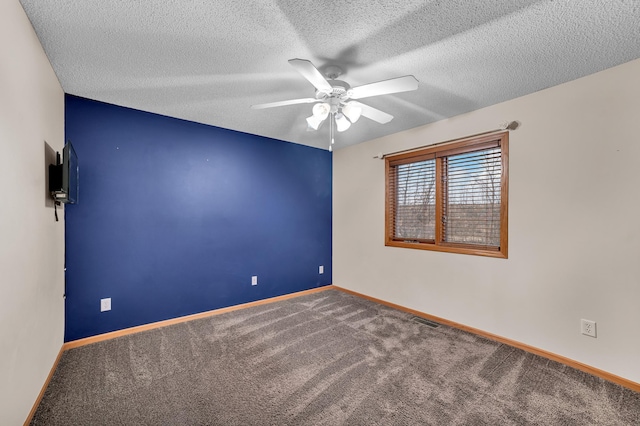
<point x="327" y="358"/>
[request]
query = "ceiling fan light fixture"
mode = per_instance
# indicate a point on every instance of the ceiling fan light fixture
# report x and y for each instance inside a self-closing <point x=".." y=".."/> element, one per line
<point x="314" y="122"/>
<point x="333" y="97"/>
<point x="342" y="123"/>
<point x="352" y="111"/>
<point x="321" y="110"/>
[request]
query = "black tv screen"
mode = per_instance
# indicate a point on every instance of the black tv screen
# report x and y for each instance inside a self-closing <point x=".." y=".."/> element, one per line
<point x="63" y="178"/>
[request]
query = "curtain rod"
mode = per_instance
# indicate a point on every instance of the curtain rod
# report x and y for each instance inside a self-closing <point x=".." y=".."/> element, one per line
<point x="511" y="125"/>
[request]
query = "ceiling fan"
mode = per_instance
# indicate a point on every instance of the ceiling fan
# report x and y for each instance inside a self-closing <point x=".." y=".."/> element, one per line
<point x="338" y="99"/>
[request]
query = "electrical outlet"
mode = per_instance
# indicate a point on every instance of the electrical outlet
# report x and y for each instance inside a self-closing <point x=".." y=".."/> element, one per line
<point x="321" y="269"/>
<point x="588" y="328"/>
<point x="254" y="280"/>
<point x="105" y="304"/>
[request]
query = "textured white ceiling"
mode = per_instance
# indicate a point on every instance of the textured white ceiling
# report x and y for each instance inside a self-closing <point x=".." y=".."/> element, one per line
<point x="208" y="61"/>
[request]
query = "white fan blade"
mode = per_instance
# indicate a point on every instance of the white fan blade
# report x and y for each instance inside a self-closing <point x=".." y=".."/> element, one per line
<point x="385" y="87"/>
<point x="283" y="103"/>
<point x="312" y="74"/>
<point x="374" y="113"/>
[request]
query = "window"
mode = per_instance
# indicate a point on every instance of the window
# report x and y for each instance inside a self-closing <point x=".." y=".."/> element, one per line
<point x="451" y="197"/>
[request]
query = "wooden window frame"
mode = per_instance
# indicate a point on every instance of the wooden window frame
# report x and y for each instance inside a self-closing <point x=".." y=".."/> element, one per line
<point x="440" y="152"/>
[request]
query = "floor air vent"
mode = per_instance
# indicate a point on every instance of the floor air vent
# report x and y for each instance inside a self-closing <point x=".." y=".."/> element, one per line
<point x="426" y="322"/>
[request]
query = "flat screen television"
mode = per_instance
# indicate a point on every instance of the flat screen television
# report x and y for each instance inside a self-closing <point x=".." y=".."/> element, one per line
<point x="63" y="177"/>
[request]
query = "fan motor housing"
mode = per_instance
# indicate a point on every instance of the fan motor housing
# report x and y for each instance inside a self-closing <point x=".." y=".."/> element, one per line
<point x="340" y="88"/>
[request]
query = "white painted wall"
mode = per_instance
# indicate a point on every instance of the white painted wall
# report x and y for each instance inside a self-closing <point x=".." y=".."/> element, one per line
<point x="31" y="242"/>
<point x="574" y="225"/>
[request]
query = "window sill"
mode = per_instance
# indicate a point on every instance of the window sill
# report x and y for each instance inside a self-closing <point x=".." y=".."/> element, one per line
<point x="450" y="248"/>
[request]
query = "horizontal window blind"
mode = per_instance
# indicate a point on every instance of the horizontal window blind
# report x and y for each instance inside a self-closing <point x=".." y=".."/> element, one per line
<point x="414" y="203"/>
<point x="471" y="198"/>
<point x="450" y="197"/>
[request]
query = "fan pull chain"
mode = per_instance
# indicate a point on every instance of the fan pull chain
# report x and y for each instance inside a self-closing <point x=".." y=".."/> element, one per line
<point x="332" y="119"/>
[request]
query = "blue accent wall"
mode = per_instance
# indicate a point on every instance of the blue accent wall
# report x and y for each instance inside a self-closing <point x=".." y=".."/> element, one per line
<point x="174" y="218"/>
